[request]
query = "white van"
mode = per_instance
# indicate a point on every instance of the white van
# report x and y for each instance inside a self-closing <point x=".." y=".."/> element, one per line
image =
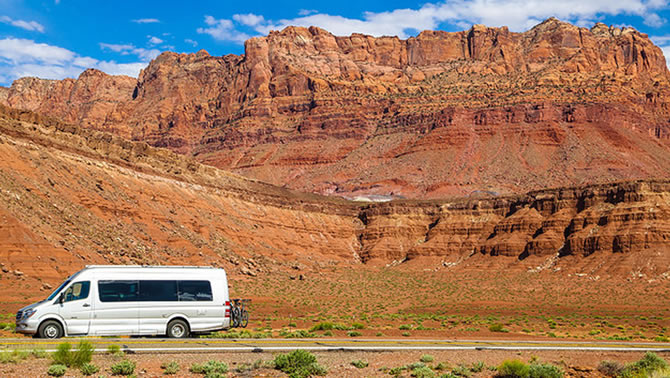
<point x="132" y="300"/>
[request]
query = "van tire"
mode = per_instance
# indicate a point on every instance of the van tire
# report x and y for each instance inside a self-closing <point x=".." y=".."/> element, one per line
<point x="178" y="329"/>
<point x="50" y="329"/>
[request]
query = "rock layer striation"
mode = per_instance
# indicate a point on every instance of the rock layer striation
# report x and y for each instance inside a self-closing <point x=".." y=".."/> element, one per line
<point x="437" y="114"/>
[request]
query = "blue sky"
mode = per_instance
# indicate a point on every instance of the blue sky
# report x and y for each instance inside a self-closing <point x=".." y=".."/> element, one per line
<point x="60" y="38"/>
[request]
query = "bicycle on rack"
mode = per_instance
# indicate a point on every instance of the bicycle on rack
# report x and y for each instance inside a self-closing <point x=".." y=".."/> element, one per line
<point x="239" y="316"/>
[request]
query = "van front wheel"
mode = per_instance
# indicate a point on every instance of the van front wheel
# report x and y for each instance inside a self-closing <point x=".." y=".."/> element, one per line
<point x="50" y="329"/>
<point x="177" y="329"/>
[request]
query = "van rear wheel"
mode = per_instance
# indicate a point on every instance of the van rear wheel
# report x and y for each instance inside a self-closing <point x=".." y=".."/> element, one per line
<point x="177" y="329"/>
<point x="50" y="329"/>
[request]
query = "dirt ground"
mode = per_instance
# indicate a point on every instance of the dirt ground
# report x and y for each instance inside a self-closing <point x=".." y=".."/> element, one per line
<point x="575" y="364"/>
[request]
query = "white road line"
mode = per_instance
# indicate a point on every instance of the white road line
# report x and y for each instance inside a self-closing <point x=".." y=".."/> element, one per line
<point x="377" y="348"/>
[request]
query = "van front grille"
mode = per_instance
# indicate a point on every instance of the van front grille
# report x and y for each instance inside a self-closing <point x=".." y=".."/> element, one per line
<point x="19" y="315"/>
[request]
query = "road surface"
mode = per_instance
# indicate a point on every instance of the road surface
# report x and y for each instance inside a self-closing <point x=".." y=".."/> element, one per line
<point x="160" y="345"/>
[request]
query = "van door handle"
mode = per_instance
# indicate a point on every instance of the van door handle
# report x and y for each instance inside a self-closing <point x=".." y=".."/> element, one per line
<point x="86" y="305"/>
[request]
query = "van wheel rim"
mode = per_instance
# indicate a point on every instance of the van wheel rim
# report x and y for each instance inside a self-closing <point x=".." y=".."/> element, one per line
<point x="178" y="330"/>
<point x="51" y="332"/>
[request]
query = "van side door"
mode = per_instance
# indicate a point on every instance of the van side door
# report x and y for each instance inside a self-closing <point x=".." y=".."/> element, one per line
<point x="116" y="308"/>
<point x="75" y="307"/>
<point x="158" y="302"/>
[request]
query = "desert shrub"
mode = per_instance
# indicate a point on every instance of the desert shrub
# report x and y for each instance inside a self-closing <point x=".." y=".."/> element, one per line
<point x="538" y="370"/>
<point x="461" y="371"/>
<point x="170" y="368"/>
<point x="114" y="350"/>
<point x="497" y="327"/>
<point x="65" y="356"/>
<point x="323" y="326"/>
<point x="62" y="354"/>
<point x="88" y="369"/>
<point x="360" y="364"/>
<point x="358" y="326"/>
<point x="57" y="370"/>
<point x="210" y="367"/>
<point x="610" y="368"/>
<point x="645" y="367"/>
<point x="124" y="367"/>
<point x="441" y="366"/>
<point x="297" y="334"/>
<point x="513" y="369"/>
<point x="478" y="367"/>
<point x="423" y="372"/>
<point x="328" y="333"/>
<point x="427" y="358"/>
<point x="82" y="354"/>
<point x="404" y="327"/>
<point x="299" y="364"/>
<point x="354" y="334"/>
<point x="14" y="356"/>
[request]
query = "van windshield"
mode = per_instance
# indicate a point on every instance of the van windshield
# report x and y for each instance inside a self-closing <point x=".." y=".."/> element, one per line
<point x="58" y="289"/>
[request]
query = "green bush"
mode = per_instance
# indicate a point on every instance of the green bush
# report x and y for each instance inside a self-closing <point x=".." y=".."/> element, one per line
<point x="323" y="326"/>
<point x="610" y="368"/>
<point x="538" y="370"/>
<point x="170" y="368"/>
<point x="497" y="327"/>
<point x="124" y="367"/>
<point x="299" y="364"/>
<point x="423" y="372"/>
<point x="360" y="364"/>
<point x="89" y="369"/>
<point x="354" y="334"/>
<point x="358" y="326"/>
<point x="209" y="367"/>
<point x="297" y="334"/>
<point x="115" y="350"/>
<point x="14" y="356"/>
<point x="478" y="367"/>
<point x="427" y="358"/>
<point x="57" y="370"/>
<point x="82" y="355"/>
<point x="645" y="367"/>
<point x="62" y="354"/>
<point x="513" y="369"/>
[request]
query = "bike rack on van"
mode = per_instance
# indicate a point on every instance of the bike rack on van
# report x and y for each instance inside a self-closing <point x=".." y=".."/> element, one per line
<point x="239" y="316"/>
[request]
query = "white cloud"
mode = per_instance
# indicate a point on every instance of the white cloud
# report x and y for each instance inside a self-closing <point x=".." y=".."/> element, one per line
<point x="191" y="42"/>
<point x="519" y="15"/>
<point x="15" y="50"/>
<point x="27" y="25"/>
<point x="127" y="49"/>
<point x="223" y="30"/>
<point x="146" y="21"/>
<point x="24" y="57"/>
<point x="154" y="40"/>
<point x="249" y="19"/>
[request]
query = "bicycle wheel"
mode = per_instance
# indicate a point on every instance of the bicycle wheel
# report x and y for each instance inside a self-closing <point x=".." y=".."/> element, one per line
<point x="235" y="317"/>
<point x="244" y="319"/>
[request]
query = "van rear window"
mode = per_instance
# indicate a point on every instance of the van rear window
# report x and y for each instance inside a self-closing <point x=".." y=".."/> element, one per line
<point x="154" y="291"/>
<point x="195" y="291"/>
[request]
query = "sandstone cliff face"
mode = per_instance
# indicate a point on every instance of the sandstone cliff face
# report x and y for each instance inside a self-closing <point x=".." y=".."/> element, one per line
<point x="71" y="196"/>
<point x="434" y="115"/>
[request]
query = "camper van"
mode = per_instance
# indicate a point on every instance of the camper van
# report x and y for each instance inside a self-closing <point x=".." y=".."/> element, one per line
<point x="175" y="301"/>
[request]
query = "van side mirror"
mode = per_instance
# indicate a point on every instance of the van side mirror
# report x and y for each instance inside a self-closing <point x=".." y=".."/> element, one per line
<point x="61" y="298"/>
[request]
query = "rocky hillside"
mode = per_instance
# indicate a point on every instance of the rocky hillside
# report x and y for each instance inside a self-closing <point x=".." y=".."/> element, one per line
<point x="438" y="114"/>
<point x="71" y="196"/>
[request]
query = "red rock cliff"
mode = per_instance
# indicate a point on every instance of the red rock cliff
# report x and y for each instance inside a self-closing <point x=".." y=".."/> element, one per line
<point x="434" y="115"/>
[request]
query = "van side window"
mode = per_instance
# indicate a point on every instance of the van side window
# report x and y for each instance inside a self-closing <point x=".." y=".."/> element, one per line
<point x="195" y="291"/>
<point x="78" y="290"/>
<point x="155" y="291"/>
<point x="118" y="291"/>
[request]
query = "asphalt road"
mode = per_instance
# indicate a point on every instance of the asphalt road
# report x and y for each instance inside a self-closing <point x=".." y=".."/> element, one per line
<point x="159" y="345"/>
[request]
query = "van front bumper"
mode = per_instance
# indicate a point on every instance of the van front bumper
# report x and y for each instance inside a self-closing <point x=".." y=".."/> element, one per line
<point x="27" y="326"/>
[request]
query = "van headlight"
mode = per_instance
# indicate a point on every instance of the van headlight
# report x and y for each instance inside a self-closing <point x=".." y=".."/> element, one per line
<point x="29" y="313"/>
